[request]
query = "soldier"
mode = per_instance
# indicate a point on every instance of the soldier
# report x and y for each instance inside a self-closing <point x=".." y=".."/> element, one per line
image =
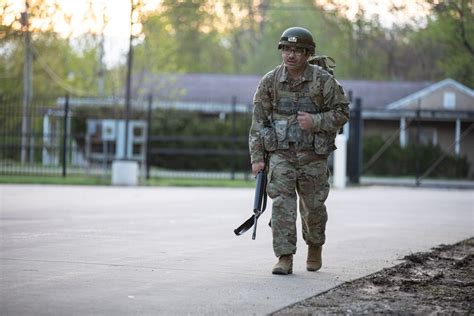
<point x="298" y="110"/>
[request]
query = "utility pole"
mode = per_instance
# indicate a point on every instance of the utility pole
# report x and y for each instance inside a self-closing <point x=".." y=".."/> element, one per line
<point x="101" y="73"/>
<point x="125" y="170"/>
<point x="27" y="83"/>
<point x="129" y="78"/>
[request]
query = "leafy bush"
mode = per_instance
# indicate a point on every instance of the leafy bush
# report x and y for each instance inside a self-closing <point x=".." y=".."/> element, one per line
<point x="397" y="161"/>
<point x="206" y="129"/>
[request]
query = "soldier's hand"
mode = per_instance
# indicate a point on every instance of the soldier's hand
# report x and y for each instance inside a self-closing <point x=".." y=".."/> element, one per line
<point x="257" y="166"/>
<point x="305" y="120"/>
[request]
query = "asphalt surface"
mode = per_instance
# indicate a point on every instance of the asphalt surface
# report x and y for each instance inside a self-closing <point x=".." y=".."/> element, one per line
<point x="72" y="250"/>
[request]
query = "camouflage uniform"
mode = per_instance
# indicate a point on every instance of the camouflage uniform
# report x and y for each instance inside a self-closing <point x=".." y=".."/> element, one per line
<point x="297" y="158"/>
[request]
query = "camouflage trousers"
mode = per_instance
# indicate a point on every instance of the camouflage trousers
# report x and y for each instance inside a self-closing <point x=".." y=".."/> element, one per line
<point x="295" y="174"/>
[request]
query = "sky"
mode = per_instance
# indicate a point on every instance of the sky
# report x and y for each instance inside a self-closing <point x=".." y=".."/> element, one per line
<point x="411" y="9"/>
<point x="117" y="29"/>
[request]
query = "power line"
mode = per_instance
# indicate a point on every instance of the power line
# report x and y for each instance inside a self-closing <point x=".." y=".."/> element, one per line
<point x="55" y="77"/>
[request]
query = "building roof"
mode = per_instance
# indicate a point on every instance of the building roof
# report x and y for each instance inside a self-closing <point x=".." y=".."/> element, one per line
<point x="220" y="88"/>
<point x="377" y="94"/>
<point x="408" y="101"/>
<point x="203" y="88"/>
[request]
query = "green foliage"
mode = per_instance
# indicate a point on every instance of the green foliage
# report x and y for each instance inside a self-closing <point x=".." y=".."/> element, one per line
<point x="397" y="161"/>
<point x="185" y="39"/>
<point x="55" y="180"/>
<point x="81" y="114"/>
<point x="327" y="31"/>
<point x="156" y="38"/>
<point x="443" y="48"/>
<point x="10" y="122"/>
<point x="57" y="67"/>
<point x="11" y="67"/>
<point x="241" y="38"/>
<point x="190" y="182"/>
<point x="209" y="130"/>
<point x="452" y="28"/>
<point x="93" y="180"/>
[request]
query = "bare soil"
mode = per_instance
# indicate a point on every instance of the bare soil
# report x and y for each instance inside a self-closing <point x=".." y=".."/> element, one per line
<point x="440" y="282"/>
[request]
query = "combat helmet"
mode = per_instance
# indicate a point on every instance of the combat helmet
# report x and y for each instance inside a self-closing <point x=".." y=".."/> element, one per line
<point x="299" y="37"/>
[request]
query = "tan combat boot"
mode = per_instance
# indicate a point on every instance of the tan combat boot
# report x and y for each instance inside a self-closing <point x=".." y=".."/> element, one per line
<point x="314" y="258"/>
<point x="284" y="265"/>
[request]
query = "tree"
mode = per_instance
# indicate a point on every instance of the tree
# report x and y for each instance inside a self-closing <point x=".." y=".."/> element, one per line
<point x="327" y="29"/>
<point x="57" y="65"/>
<point x="243" y="26"/>
<point x="452" y="28"/>
<point x="198" y="47"/>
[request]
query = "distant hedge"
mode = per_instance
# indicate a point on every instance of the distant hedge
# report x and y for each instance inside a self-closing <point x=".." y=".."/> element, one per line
<point x="395" y="161"/>
<point x="398" y="161"/>
<point x="207" y="128"/>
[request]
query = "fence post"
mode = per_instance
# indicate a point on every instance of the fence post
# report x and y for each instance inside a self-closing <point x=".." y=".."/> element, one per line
<point x="340" y="156"/>
<point x="355" y="143"/>
<point x="148" y="142"/>
<point x="417" y="147"/>
<point x="347" y="132"/>
<point x="350" y="95"/>
<point x="234" y="136"/>
<point x="65" y="134"/>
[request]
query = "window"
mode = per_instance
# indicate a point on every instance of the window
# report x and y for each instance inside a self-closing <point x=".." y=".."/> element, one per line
<point x="449" y="100"/>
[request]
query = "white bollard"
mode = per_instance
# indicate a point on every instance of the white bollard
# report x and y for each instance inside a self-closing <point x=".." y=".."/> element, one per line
<point x="124" y="172"/>
<point x="340" y="157"/>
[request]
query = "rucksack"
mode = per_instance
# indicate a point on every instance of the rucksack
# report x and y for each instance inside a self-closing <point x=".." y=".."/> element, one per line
<point x="323" y="62"/>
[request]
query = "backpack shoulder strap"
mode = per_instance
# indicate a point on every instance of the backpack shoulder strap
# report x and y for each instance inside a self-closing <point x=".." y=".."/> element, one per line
<point x="276" y="77"/>
<point x="317" y="86"/>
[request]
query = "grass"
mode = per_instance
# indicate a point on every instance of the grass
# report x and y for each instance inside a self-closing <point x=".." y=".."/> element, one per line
<point x="58" y="180"/>
<point x="99" y="180"/>
<point x="187" y="182"/>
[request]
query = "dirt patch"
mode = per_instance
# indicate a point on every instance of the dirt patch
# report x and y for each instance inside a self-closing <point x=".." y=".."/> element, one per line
<point x="436" y="282"/>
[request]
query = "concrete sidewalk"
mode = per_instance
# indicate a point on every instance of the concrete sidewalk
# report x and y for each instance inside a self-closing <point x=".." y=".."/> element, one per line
<point x="424" y="183"/>
<point x="70" y="250"/>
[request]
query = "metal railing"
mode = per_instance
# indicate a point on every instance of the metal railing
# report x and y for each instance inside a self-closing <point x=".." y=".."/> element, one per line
<point x="82" y="136"/>
<point x="67" y="136"/>
<point x="414" y="148"/>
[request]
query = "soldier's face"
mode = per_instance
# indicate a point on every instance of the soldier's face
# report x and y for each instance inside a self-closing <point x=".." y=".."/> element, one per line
<point x="294" y="57"/>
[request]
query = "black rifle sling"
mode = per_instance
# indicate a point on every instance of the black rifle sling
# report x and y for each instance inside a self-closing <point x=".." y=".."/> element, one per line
<point x="245" y="226"/>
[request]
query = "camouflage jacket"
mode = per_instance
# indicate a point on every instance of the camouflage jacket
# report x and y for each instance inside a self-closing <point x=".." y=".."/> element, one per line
<point x="317" y="92"/>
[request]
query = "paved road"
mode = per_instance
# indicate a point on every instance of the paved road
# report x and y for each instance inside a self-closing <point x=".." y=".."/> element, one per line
<point x="71" y="250"/>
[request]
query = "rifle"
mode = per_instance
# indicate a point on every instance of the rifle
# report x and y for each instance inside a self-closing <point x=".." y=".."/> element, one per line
<point x="259" y="205"/>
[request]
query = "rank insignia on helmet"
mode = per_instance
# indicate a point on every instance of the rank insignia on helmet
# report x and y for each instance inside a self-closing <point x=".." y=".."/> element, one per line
<point x="299" y="37"/>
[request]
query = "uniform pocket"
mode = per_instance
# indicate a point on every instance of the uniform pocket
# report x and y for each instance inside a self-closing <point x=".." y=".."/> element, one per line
<point x="307" y="139"/>
<point x="281" y="129"/>
<point x="269" y="138"/>
<point x="324" y="143"/>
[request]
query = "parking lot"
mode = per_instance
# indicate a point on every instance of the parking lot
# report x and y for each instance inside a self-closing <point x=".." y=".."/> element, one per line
<point x="76" y="250"/>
